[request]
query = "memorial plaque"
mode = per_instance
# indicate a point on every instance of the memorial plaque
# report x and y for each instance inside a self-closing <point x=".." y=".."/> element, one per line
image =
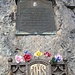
<point x="35" y="17"/>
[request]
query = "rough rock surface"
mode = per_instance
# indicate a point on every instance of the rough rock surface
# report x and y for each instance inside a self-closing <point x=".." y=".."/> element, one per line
<point x="63" y="42"/>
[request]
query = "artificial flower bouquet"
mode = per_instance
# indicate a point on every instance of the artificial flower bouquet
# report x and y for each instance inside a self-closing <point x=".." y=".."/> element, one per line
<point x="27" y="56"/>
<point x="57" y="58"/>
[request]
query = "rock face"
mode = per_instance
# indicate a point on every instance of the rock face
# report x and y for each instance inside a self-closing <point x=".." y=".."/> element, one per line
<point x="63" y="42"/>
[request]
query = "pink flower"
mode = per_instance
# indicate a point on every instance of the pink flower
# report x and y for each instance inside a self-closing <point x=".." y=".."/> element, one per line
<point x="47" y="54"/>
<point x="18" y="58"/>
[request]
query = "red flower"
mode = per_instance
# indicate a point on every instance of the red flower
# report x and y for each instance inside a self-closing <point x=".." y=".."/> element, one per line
<point x="47" y="54"/>
<point x="27" y="57"/>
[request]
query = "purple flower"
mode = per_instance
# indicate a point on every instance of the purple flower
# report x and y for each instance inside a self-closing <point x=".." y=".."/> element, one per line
<point x="27" y="52"/>
<point x="58" y="58"/>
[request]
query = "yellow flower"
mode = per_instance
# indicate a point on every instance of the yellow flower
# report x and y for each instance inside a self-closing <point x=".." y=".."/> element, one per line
<point x="37" y="53"/>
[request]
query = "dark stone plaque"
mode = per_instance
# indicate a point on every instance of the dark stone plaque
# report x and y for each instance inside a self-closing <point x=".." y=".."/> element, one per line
<point x="35" y="17"/>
